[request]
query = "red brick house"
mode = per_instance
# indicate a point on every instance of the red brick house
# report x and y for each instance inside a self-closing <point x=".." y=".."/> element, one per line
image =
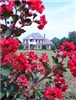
<point x="35" y="41"/>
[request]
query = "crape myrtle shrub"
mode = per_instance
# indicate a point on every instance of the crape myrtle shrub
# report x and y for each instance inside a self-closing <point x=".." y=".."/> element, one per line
<point x="20" y="72"/>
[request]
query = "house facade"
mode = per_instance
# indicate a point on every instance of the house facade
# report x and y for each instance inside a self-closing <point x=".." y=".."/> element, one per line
<point x="35" y="41"/>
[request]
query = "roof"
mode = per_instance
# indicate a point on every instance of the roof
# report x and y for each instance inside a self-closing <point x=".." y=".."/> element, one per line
<point x="35" y="36"/>
<point x="48" y="41"/>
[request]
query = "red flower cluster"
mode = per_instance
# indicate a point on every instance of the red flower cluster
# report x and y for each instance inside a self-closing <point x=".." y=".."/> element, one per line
<point x="31" y="5"/>
<point x="69" y="49"/>
<point x="20" y="62"/>
<point x="67" y="46"/>
<point x="42" y="22"/>
<point x="24" y="62"/>
<point x="21" y="80"/>
<point x="52" y="93"/>
<point x="9" y="6"/>
<point x="44" y="57"/>
<point x="7" y="59"/>
<point x="32" y="55"/>
<point x="72" y="65"/>
<point x="65" y="54"/>
<point x="60" y="82"/>
<point x="36" y="5"/>
<point x="1" y="9"/>
<point x="8" y="45"/>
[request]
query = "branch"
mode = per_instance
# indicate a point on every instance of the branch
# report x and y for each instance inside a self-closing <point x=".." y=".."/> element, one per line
<point x="44" y="77"/>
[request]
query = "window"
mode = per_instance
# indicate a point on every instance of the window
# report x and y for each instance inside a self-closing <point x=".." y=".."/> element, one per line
<point x="37" y="41"/>
<point x="40" y="41"/>
<point x="31" y="40"/>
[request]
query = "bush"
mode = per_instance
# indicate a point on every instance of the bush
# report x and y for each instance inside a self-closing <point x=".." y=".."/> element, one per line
<point x="44" y="46"/>
<point x="21" y="47"/>
<point x="53" y="47"/>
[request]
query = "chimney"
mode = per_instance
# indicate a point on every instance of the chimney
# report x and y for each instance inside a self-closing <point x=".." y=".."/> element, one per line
<point x="44" y="38"/>
<point x="44" y="35"/>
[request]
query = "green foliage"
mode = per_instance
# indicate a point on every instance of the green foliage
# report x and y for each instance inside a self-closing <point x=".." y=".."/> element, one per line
<point x="15" y="17"/>
<point x="37" y="93"/>
<point x="62" y="40"/>
<point x="56" y="42"/>
<point x="7" y="14"/>
<point x="2" y="91"/>
<point x="53" y="47"/>
<point x="18" y="31"/>
<point x="4" y="28"/>
<point x="44" y="46"/>
<point x="7" y="33"/>
<point x="4" y="71"/>
<point x="21" y="46"/>
<point x="72" y="37"/>
<point x="18" y="3"/>
<point x="10" y="89"/>
<point x="47" y="67"/>
<point x="59" y="69"/>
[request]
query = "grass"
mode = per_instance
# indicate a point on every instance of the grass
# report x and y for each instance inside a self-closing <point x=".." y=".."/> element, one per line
<point x="70" y="94"/>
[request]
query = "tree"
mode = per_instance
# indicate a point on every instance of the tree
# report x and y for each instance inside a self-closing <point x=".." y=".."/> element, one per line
<point x="56" y="41"/>
<point x="62" y="40"/>
<point x="53" y="47"/>
<point x="72" y="37"/>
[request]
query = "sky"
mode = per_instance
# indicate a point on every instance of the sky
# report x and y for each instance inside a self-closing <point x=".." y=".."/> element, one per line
<point x="61" y="17"/>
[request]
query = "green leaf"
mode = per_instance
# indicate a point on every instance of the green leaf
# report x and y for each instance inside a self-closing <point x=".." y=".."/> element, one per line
<point x="21" y="46"/>
<point x="62" y="69"/>
<point x="37" y="93"/>
<point x="47" y="67"/>
<point x="7" y="33"/>
<point x="2" y="93"/>
<point x="11" y="88"/>
<point x="34" y="77"/>
<point x="37" y="21"/>
<point x="56" y="71"/>
<point x="25" y="10"/>
<point x="4" y="27"/>
<point x="7" y="14"/>
<point x="59" y="69"/>
<point x="21" y="8"/>
<point x="15" y="18"/>
<point x="5" y="71"/>
<point x="18" y="31"/>
<point x="3" y="77"/>
<point x="28" y="20"/>
<point x="17" y="3"/>
<point x="55" y="59"/>
<point x="18" y="97"/>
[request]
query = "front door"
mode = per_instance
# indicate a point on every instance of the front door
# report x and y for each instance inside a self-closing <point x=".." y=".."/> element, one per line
<point x="31" y="47"/>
